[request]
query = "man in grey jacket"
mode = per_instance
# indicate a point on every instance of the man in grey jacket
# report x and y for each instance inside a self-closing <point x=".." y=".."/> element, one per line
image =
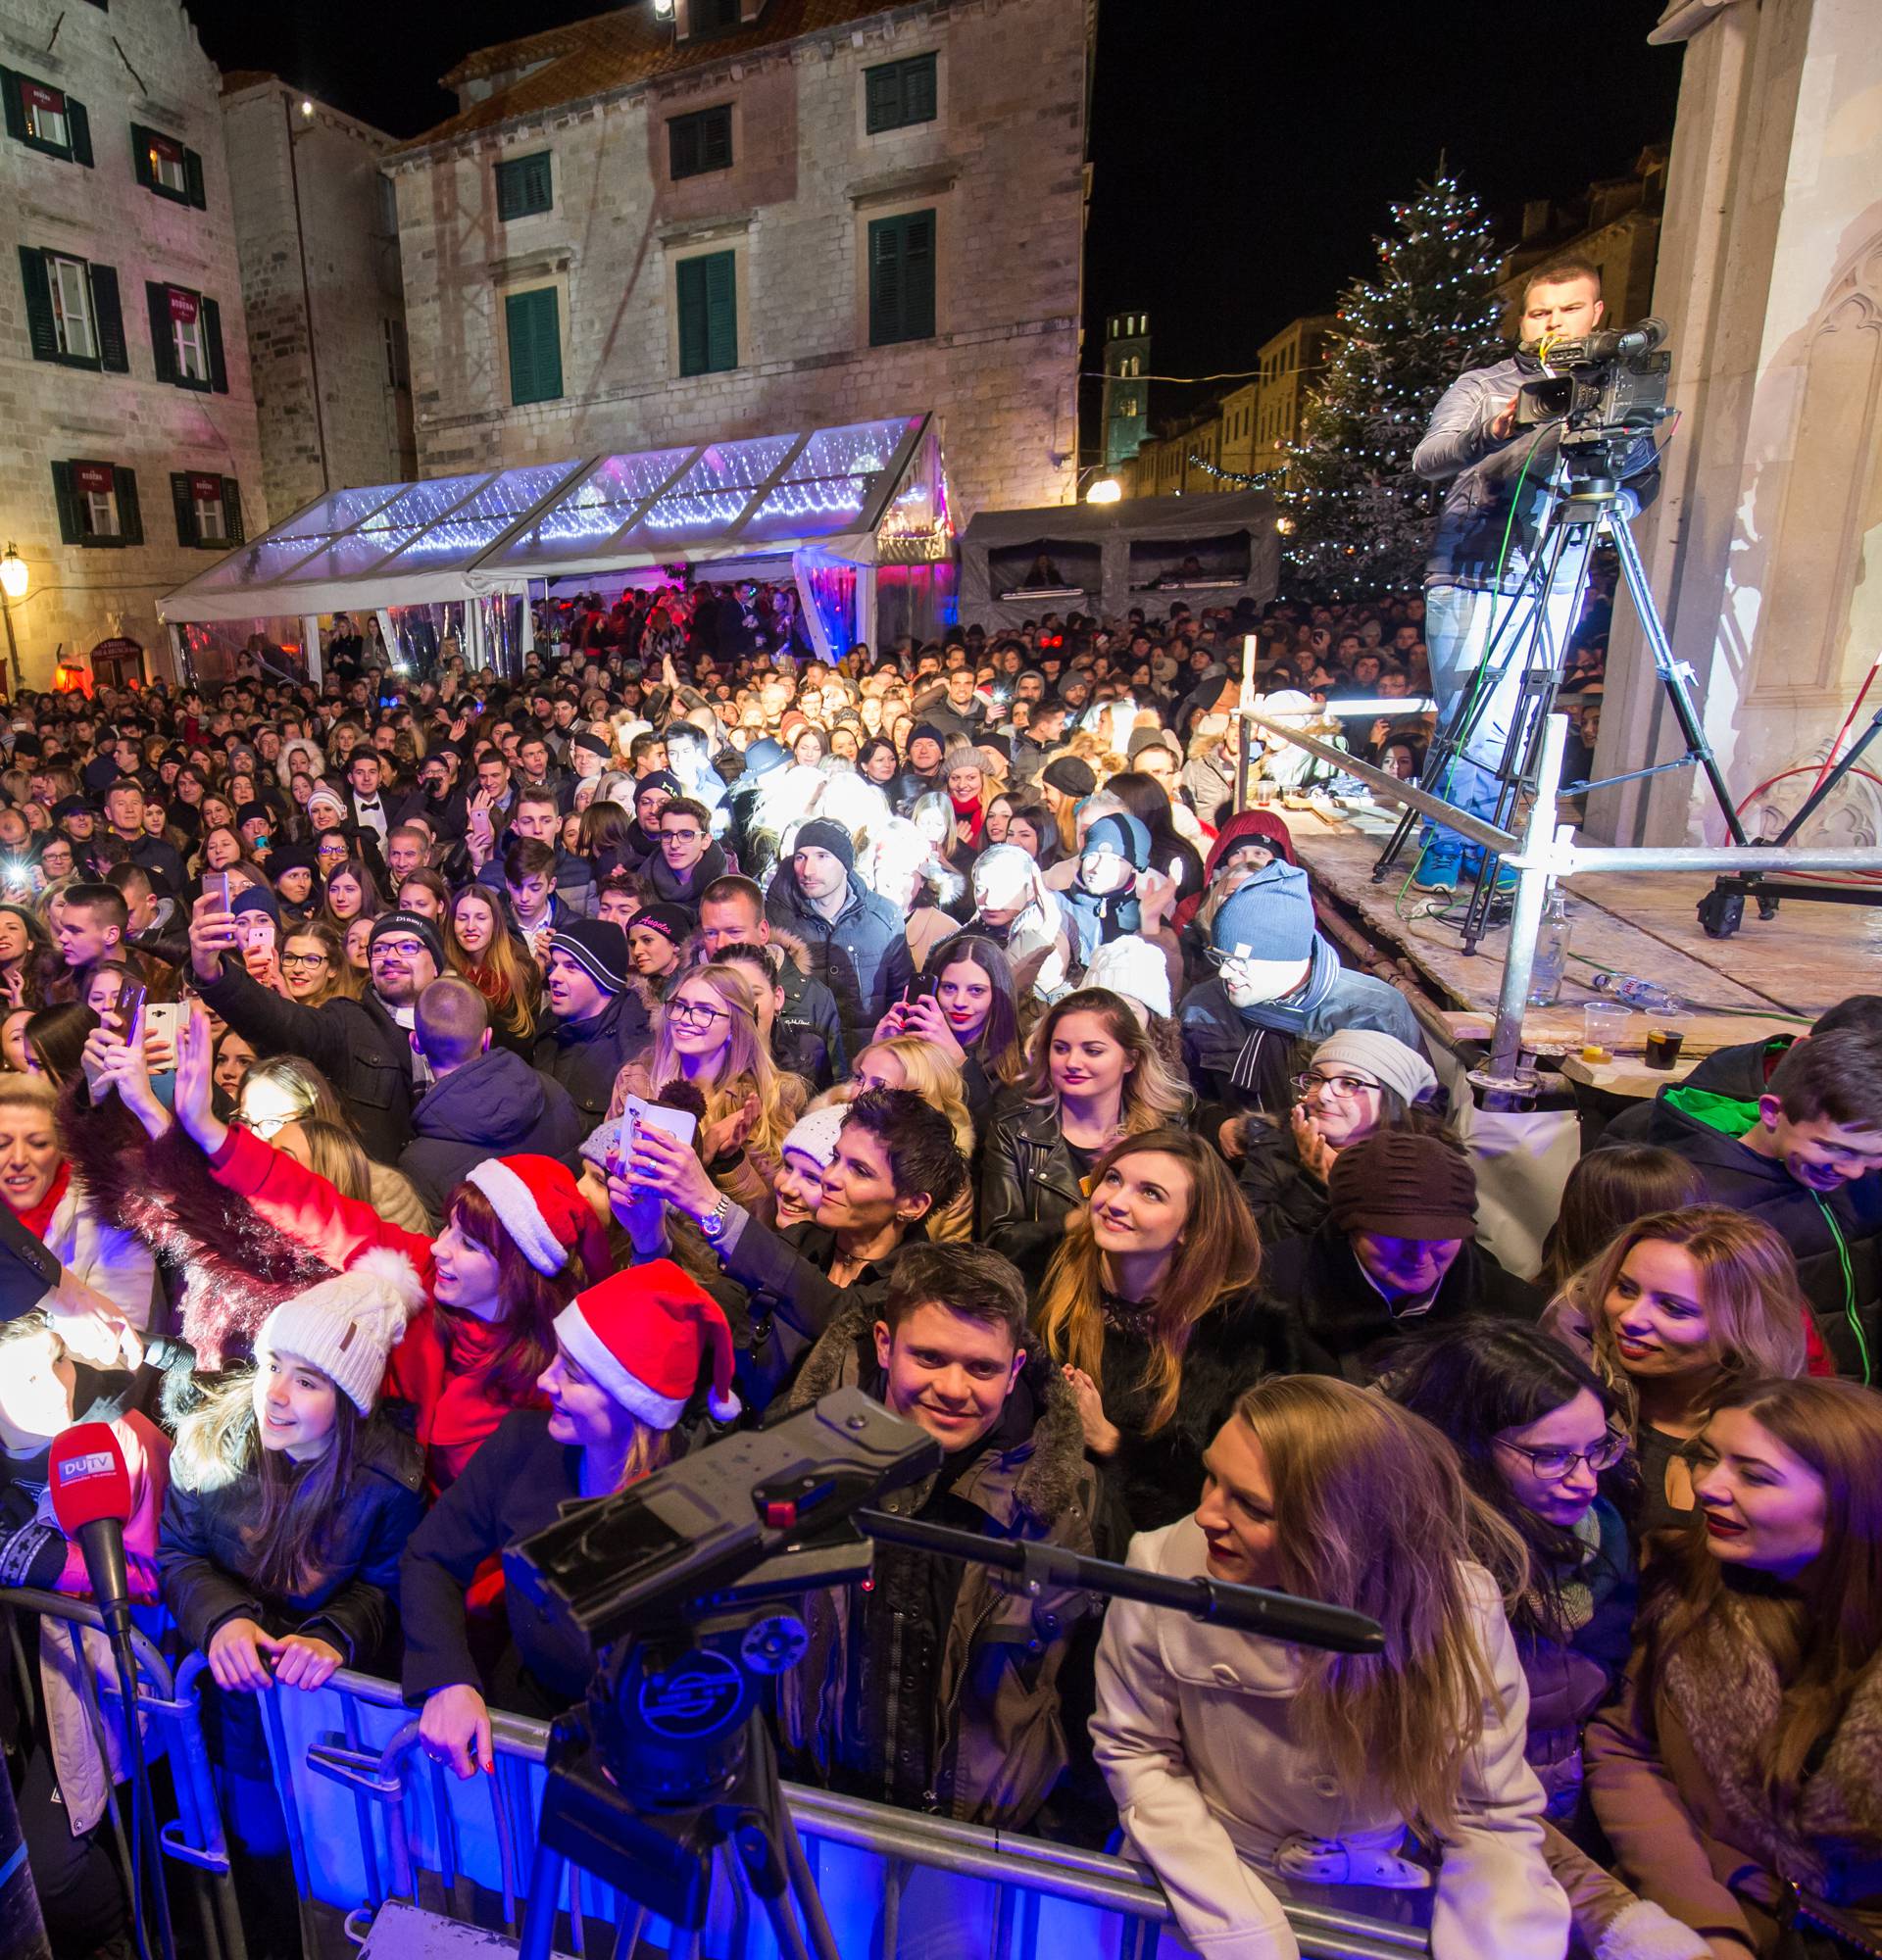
<point x="1499" y="478"/>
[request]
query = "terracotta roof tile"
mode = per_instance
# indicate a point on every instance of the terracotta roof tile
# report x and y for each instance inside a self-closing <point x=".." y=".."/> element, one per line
<point x="615" y="50"/>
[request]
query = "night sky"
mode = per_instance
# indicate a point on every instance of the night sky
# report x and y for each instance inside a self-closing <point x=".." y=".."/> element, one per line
<point x="1245" y="151"/>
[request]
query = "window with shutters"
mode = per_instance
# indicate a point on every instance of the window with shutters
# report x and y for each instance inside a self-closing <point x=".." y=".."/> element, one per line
<point x="707" y="293"/>
<point x="70" y="283"/>
<point x="712" y="17"/>
<point x="45" y="118"/>
<point x="700" y="142"/>
<point x="186" y="339"/>
<point x="97" y="504"/>
<point x="900" y="93"/>
<point x="167" y="167"/>
<point x="524" y="186"/>
<point x="209" y="510"/>
<point x="73" y="313"/>
<point x="532" y="323"/>
<point x="901" y="262"/>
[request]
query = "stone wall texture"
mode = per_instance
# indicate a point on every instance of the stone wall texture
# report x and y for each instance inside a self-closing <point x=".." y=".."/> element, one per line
<point x="142" y="65"/>
<point x="319" y="246"/>
<point x="1003" y="167"/>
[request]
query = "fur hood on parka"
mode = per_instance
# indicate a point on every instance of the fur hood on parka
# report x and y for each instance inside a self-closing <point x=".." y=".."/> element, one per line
<point x="237" y="1267"/>
<point x="1043" y="1477"/>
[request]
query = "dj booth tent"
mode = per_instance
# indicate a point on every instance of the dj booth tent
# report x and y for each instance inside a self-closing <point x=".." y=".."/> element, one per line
<point x="826" y="507"/>
<point x="1111" y="551"/>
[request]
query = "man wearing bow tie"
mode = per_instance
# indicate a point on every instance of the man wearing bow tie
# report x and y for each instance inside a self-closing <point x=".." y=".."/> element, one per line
<point x="365" y="787"/>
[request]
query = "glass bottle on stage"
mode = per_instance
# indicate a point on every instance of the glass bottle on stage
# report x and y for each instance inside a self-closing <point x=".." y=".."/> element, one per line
<point x="1552" y="950"/>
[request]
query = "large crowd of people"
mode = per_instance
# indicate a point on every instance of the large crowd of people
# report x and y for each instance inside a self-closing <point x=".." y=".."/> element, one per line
<point x="449" y="1097"/>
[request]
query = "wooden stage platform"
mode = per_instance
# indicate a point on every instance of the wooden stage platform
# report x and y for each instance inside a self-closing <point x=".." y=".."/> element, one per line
<point x="1770" y="977"/>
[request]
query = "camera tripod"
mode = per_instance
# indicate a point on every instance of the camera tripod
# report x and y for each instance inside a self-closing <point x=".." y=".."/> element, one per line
<point x="1584" y="503"/>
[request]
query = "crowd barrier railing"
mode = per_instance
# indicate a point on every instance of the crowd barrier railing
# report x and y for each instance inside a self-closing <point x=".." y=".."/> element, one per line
<point x="372" y="1821"/>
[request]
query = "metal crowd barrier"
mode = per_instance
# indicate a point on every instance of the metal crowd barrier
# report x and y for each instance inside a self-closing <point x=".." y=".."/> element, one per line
<point x="372" y="1822"/>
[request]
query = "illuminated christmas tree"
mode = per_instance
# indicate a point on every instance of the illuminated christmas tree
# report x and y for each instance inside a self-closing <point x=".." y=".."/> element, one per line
<point x="1361" y="518"/>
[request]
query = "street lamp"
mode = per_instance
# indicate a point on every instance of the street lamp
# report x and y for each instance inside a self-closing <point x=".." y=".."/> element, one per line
<point x="1107" y="490"/>
<point x="12" y="586"/>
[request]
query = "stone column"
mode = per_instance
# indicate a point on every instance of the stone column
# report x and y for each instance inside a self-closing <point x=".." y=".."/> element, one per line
<point x="1764" y="550"/>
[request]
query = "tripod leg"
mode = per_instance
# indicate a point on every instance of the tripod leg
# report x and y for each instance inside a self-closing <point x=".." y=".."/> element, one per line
<point x="771" y="1878"/>
<point x="1698" y="746"/>
<point x="545" y="1886"/>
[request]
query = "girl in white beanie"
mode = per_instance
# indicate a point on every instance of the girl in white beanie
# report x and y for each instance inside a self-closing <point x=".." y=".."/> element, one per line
<point x="291" y="1498"/>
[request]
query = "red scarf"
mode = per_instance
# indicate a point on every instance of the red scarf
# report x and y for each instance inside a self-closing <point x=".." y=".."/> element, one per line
<point x="40" y="1217"/>
<point x="970" y="814"/>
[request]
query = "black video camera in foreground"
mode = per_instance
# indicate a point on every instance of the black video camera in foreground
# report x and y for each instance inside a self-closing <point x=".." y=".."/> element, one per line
<point x="1601" y="388"/>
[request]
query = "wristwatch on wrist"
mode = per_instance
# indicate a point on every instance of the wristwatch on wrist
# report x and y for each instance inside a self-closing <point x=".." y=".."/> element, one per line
<point x="713" y="1226"/>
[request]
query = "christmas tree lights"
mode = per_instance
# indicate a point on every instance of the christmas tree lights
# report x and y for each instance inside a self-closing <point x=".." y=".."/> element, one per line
<point x="1362" y="518"/>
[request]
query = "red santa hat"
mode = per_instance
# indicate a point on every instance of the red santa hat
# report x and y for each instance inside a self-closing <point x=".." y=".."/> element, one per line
<point x="641" y="1336"/>
<point x="539" y="1203"/>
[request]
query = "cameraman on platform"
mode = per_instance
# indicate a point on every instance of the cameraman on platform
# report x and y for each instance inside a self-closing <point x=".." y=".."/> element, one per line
<point x="1481" y="551"/>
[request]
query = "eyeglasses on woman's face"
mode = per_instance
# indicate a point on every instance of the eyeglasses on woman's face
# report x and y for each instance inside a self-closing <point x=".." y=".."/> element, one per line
<point x="696" y="1013"/>
<point x="1554" y="1461"/>
<point x="1343" y="1087"/>
<point x="315" y="958"/>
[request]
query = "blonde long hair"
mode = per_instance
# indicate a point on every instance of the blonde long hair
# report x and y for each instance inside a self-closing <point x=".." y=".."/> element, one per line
<point x="744" y="1068"/>
<point x="1754" y="1308"/>
<point x="1153" y="1094"/>
<point x="932" y="1077"/>
<point x="1371" y="1512"/>
<point x="1218" y="1256"/>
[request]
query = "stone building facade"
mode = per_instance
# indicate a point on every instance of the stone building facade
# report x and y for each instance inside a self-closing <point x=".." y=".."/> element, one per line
<point x="124" y="350"/>
<point x="319" y="241"/>
<point x="1764" y="547"/>
<point x="1614" y="225"/>
<point x="754" y="216"/>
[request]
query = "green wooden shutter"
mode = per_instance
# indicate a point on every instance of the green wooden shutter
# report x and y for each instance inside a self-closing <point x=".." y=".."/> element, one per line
<point x="211" y="317"/>
<point x="108" y="322"/>
<point x="537" y="184"/>
<point x="533" y="323"/>
<point x="194" y="179"/>
<point x="721" y="311"/>
<point x="140" y="156"/>
<point x="163" y="344"/>
<point x="920" y="100"/>
<point x="902" y="278"/>
<point x="130" y="518"/>
<point x="233" y="533"/>
<point x="42" y="331"/>
<point x="707" y="295"/>
<point x="691" y="291"/>
<point x="16" y="106"/>
<point x="716" y="138"/>
<point x="185" y="507"/>
<point x="79" y="132"/>
<point x="684" y="146"/>
<point x="525" y="184"/>
<point x="882" y="99"/>
<point x="72" y="520"/>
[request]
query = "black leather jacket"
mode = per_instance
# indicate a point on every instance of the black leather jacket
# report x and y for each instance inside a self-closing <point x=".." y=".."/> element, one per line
<point x="1029" y="1182"/>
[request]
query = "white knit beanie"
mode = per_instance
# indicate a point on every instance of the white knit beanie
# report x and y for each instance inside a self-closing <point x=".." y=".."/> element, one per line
<point x="1131" y="966"/>
<point x="815" y="1132"/>
<point x="347" y="1326"/>
<point x="1382" y="1056"/>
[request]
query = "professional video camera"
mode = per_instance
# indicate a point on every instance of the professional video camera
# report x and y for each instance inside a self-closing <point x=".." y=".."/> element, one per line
<point x="1601" y="389"/>
<point x="686" y="1587"/>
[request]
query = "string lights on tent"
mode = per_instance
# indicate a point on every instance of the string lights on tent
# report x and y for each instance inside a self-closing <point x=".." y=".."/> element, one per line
<point x="1361" y="514"/>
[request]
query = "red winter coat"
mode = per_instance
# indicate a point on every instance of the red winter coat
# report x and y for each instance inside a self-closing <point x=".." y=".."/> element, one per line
<point x="457" y="1404"/>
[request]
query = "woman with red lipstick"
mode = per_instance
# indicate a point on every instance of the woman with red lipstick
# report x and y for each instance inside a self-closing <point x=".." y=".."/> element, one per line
<point x="1689" y="1300"/>
<point x="1153" y="1307"/>
<point x="972" y="1018"/>
<point x="1738" y="1775"/>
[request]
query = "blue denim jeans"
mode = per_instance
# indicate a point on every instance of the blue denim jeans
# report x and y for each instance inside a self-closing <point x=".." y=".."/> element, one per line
<point x="1460" y="623"/>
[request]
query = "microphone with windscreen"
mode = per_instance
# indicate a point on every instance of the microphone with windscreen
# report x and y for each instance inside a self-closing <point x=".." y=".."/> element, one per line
<point x="91" y="1500"/>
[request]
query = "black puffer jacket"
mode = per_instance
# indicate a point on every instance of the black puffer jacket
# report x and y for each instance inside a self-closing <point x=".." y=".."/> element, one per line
<point x="205" y="1561"/>
<point x="494" y="1106"/>
<point x="585" y="1057"/>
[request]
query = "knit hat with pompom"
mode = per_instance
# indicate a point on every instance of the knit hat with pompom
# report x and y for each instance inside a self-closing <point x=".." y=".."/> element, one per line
<point x="347" y="1326"/>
